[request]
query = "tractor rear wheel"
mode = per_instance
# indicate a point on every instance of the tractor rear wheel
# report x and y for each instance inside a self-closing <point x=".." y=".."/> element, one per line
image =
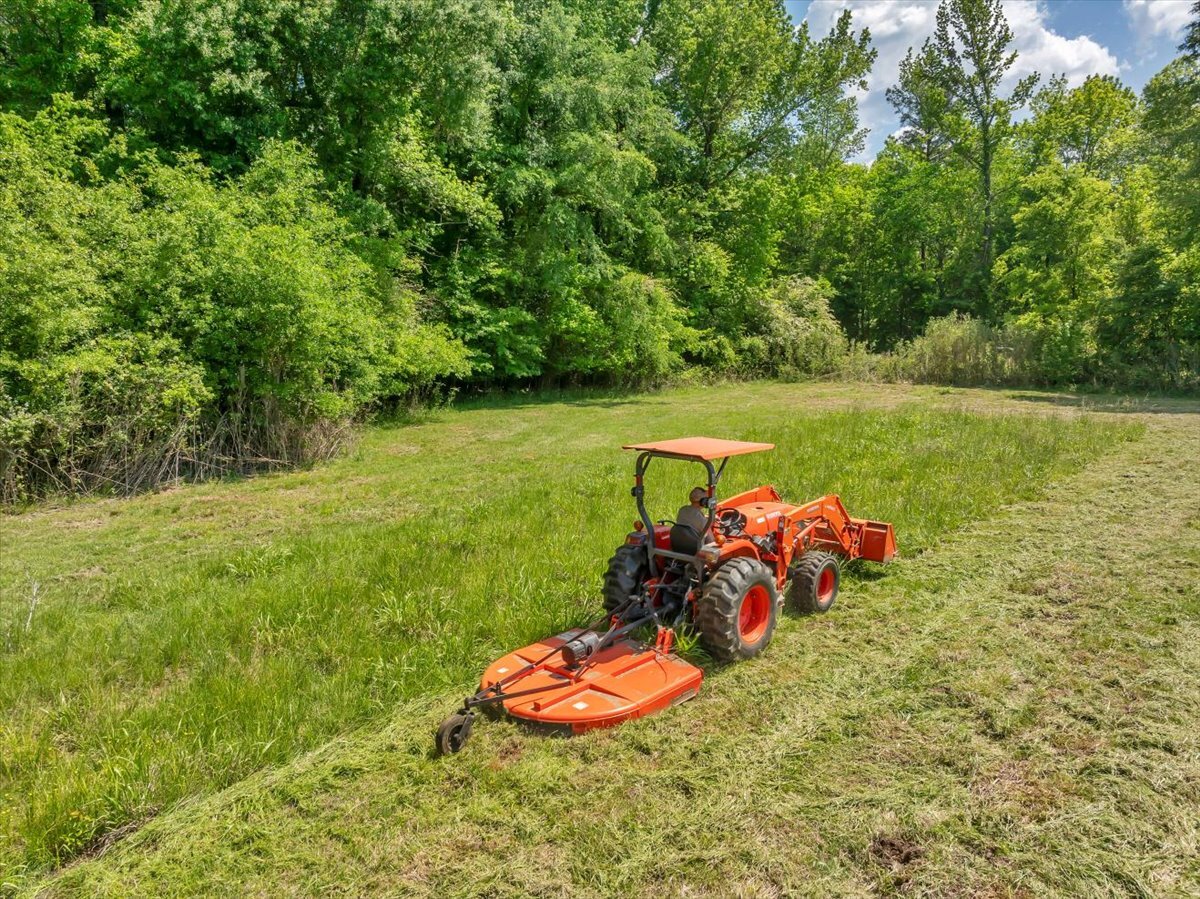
<point x="815" y="579"/>
<point x="626" y="571"/>
<point x="736" y="613"/>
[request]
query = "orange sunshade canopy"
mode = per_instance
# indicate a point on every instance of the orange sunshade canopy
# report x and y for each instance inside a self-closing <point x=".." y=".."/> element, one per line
<point x="702" y="448"/>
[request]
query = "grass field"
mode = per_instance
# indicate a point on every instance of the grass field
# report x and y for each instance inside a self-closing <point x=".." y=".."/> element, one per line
<point x="232" y="687"/>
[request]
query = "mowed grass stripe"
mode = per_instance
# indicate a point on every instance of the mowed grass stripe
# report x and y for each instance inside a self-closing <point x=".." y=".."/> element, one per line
<point x="1016" y="712"/>
<point x="179" y="670"/>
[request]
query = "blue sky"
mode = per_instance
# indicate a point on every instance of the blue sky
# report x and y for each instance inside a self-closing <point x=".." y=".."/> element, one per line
<point x="1132" y="39"/>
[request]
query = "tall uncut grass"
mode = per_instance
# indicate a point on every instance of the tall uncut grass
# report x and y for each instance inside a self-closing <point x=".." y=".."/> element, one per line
<point x="180" y="641"/>
<point x="965" y="352"/>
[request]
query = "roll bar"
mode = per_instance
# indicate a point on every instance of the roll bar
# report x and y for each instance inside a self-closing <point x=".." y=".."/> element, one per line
<point x="639" y="493"/>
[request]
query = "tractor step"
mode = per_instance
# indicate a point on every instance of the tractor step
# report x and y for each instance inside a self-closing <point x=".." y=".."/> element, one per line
<point x="623" y="681"/>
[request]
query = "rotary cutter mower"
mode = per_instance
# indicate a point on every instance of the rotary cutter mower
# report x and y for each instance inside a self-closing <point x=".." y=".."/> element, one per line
<point x="723" y="567"/>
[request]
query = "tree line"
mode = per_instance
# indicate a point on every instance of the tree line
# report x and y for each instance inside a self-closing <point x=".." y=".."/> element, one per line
<point x="228" y="227"/>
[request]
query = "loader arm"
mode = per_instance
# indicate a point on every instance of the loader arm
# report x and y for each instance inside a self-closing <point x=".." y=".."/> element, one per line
<point x="825" y="524"/>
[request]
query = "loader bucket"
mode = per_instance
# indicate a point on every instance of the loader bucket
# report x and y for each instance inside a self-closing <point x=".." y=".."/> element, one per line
<point x="878" y="541"/>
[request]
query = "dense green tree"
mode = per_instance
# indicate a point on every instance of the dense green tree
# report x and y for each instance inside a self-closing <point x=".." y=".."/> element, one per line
<point x="745" y="82"/>
<point x="1059" y="267"/>
<point x="922" y="104"/>
<point x="240" y="224"/>
<point x="571" y="172"/>
<point x="48" y="47"/>
<point x="924" y="212"/>
<point x="1191" y="38"/>
<point x="966" y="60"/>
<point x="221" y="76"/>
<point x="1172" y="124"/>
<point x="1149" y="330"/>
<point x="761" y="106"/>
<point x="1093" y="125"/>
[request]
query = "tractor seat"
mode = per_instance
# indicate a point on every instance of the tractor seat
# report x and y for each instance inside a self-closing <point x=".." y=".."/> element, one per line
<point x="686" y="533"/>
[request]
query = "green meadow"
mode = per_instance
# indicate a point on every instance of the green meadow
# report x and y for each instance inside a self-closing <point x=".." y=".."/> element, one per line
<point x="159" y="650"/>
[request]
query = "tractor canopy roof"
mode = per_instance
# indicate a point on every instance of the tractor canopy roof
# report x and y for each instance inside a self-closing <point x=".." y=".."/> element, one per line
<point x="699" y="448"/>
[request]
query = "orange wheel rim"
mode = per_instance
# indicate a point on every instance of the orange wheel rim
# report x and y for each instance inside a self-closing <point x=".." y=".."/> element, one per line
<point x="826" y="583"/>
<point x="755" y="614"/>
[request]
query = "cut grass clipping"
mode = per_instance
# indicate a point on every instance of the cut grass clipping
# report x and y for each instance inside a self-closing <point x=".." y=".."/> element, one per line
<point x="167" y="646"/>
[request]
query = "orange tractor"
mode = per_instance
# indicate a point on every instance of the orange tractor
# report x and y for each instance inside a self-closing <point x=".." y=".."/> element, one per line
<point x="721" y="567"/>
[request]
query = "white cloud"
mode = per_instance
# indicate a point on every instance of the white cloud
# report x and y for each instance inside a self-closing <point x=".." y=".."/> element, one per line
<point x="1157" y="18"/>
<point x="895" y="26"/>
<point x="1045" y="51"/>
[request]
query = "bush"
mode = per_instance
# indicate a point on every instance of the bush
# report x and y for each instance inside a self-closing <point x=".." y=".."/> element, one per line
<point x="1030" y="350"/>
<point x="1149" y="328"/>
<point x="794" y="332"/>
<point x="118" y="413"/>
<point x="630" y="330"/>
<point x="161" y="323"/>
<point x="953" y="350"/>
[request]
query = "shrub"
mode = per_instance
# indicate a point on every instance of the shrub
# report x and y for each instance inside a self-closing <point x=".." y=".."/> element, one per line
<point x="796" y="334"/>
<point x="955" y="350"/>
<point x="630" y="330"/>
<point x="118" y="413"/>
<point x="1028" y="350"/>
<point x="163" y="323"/>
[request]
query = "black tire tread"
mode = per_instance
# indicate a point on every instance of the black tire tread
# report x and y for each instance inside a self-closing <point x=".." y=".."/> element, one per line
<point x="626" y="570"/>
<point x="719" y="605"/>
<point x="802" y="591"/>
<point x="453" y="733"/>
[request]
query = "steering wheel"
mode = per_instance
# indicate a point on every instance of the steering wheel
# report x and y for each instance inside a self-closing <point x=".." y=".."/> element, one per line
<point x="731" y="520"/>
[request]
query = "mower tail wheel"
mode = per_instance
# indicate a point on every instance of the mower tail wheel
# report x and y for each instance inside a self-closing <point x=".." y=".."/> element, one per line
<point x="626" y="571"/>
<point x="737" y="611"/>
<point x="815" y="581"/>
<point x="453" y="733"/>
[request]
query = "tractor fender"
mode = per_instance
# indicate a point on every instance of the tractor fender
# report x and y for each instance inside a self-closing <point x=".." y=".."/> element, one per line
<point x="738" y="548"/>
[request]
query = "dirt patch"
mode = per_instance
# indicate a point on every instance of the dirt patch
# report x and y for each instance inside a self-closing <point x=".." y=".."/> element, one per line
<point x="895" y="852"/>
<point x="1063" y="585"/>
<point x="506" y="753"/>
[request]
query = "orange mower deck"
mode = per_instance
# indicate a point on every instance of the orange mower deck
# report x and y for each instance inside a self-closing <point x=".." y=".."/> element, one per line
<point x="623" y="681"/>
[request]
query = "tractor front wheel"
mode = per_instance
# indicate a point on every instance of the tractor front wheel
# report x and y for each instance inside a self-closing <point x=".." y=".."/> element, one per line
<point x="736" y="612"/>
<point x="815" y="581"/>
